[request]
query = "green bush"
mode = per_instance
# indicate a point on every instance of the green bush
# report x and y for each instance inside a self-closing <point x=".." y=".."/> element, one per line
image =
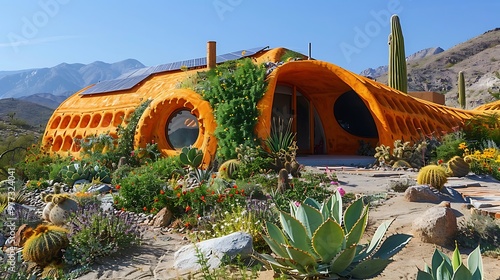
<point x="233" y="90"/>
<point x="138" y="189"/>
<point x="481" y="127"/>
<point x="479" y="229"/>
<point x="449" y="146"/>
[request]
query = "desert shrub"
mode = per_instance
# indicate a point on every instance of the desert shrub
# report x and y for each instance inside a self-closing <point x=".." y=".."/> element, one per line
<point x="481" y="127"/>
<point x="13" y="151"/>
<point x="138" y="189"/>
<point x="94" y="233"/>
<point x="203" y="200"/>
<point x="450" y="146"/>
<point x="250" y="219"/>
<point x="36" y="164"/>
<point x="480" y="230"/>
<point x="253" y="161"/>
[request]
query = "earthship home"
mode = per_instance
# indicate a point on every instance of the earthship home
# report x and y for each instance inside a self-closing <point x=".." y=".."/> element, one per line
<point x="332" y="108"/>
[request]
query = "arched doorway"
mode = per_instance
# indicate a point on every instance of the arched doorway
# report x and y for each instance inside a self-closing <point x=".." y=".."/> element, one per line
<point x="290" y="103"/>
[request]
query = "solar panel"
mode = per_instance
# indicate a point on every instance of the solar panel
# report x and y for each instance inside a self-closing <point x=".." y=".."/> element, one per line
<point x="129" y="80"/>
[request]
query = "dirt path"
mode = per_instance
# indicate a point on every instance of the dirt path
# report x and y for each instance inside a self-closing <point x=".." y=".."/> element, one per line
<point x="139" y="263"/>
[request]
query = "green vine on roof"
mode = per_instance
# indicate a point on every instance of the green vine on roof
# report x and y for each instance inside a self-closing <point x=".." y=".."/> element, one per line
<point x="233" y="90"/>
<point x="126" y="133"/>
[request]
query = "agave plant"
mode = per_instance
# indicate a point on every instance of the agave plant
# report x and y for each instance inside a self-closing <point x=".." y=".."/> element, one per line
<point x="447" y="269"/>
<point x="318" y="240"/>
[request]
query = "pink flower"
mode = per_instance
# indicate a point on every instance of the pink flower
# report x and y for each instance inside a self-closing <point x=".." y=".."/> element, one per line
<point x="341" y="191"/>
<point x="297" y="203"/>
<point x="334" y="183"/>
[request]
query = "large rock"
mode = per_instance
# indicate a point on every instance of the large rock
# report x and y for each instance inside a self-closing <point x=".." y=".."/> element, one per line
<point x="438" y="225"/>
<point x="422" y="193"/>
<point x="214" y="251"/>
<point x="162" y="218"/>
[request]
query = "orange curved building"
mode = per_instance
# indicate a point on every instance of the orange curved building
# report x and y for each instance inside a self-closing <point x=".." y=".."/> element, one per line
<point x="332" y="108"/>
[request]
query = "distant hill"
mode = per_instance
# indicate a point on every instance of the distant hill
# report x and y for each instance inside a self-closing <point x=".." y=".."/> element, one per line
<point x="34" y="114"/>
<point x="382" y="70"/>
<point x="46" y="99"/>
<point x="63" y="79"/>
<point x="478" y="58"/>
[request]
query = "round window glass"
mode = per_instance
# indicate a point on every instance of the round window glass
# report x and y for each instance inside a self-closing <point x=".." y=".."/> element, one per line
<point x="182" y="129"/>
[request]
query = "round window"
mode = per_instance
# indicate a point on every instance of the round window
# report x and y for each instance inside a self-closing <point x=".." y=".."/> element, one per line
<point x="182" y="129"/>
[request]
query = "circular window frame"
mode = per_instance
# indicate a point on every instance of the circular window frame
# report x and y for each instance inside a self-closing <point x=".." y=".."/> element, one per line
<point x="171" y="117"/>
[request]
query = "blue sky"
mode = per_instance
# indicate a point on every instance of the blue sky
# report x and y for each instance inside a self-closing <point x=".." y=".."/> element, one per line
<point x="351" y="34"/>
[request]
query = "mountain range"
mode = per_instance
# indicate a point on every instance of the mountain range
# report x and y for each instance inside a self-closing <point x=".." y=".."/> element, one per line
<point x="435" y="70"/>
<point x="50" y="86"/>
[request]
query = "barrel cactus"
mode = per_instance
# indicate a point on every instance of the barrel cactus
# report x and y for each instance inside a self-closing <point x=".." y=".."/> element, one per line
<point x="432" y="175"/>
<point x="316" y="240"/>
<point x="457" y="167"/>
<point x="228" y="168"/>
<point x="44" y="244"/>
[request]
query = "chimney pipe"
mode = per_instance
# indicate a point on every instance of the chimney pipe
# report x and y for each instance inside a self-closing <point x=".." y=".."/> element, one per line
<point x="211" y="55"/>
<point x="309" y="52"/>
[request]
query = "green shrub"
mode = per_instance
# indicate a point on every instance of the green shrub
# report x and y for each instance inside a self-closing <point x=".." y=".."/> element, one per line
<point x="481" y="127"/>
<point x="138" y="189"/>
<point x="479" y="229"/>
<point x="450" y="146"/>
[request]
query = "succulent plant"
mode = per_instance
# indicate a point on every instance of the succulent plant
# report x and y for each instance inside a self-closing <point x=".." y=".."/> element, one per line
<point x="228" y="168"/>
<point x="316" y="240"/>
<point x="77" y="171"/>
<point x="191" y="156"/>
<point x="412" y="154"/>
<point x="447" y="269"/>
<point x="396" y="75"/>
<point x="432" y="175"/>
<point x="457" y="167"/>
<point x="44" y="244"/>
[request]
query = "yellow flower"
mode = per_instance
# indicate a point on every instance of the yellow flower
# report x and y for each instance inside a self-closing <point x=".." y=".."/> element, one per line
<point x="462" y="146"/>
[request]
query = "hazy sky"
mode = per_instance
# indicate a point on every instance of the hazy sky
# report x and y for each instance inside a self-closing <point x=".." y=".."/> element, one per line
<point x="351" y="34"/>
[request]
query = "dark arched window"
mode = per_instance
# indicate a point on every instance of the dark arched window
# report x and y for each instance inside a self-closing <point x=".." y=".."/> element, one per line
<point x="353" y="116"/>
<point x="182" y="129"/>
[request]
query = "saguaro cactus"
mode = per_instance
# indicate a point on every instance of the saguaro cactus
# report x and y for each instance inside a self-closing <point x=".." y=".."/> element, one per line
<point x="461" y="89"/>
<point x="397" y="78"/>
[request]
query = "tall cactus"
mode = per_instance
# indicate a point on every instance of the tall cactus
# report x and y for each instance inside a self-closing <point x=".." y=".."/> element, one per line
<point x="461" y="89"/>
<point x="397" y="78"/>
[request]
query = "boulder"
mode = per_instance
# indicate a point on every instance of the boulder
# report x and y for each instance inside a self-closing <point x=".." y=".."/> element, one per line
<point x="162" y="218"/>
<point x="422" y="193"/>
<point x="438" y="225"/>
<point x="214" y="251"/>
